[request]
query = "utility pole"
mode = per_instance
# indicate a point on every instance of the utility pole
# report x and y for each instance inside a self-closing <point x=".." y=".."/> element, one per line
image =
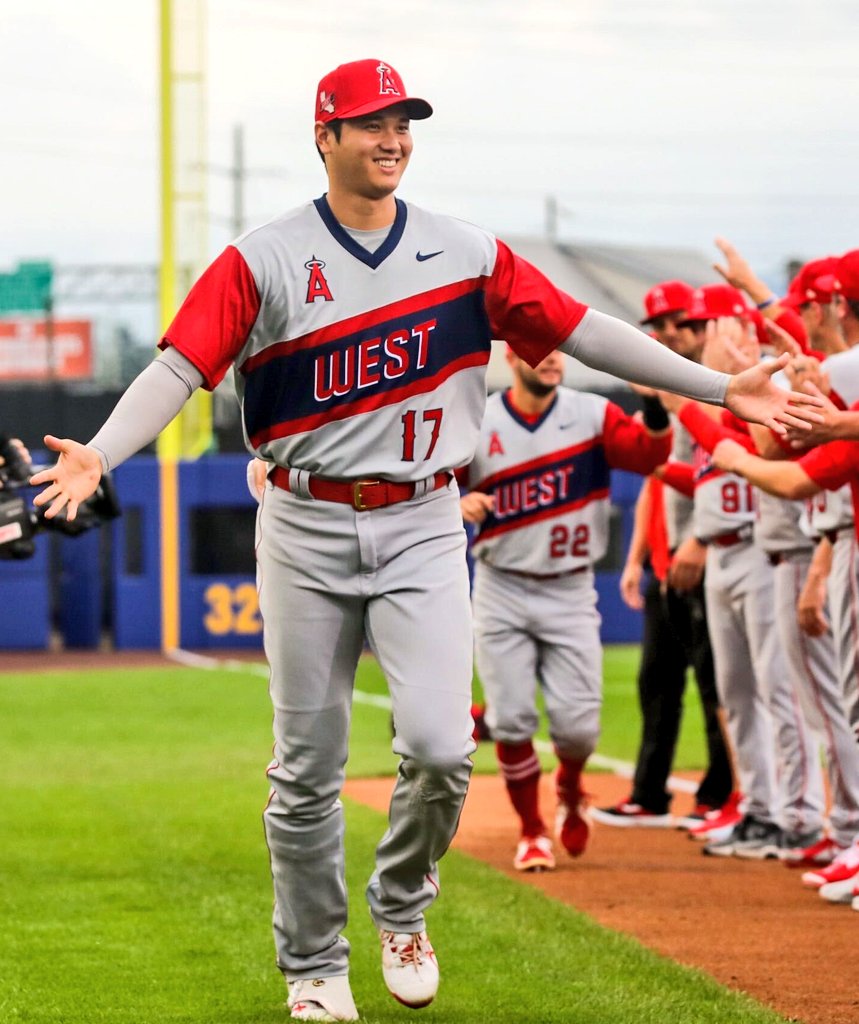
<point x="238" y="173"/>
<point x="551" y="218"/>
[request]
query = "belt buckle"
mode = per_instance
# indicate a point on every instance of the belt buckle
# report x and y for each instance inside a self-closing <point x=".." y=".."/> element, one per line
<point x="358" y="502"/>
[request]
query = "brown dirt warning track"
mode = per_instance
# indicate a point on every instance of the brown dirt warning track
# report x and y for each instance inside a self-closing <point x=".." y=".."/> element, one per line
<point x="752" y="926"/>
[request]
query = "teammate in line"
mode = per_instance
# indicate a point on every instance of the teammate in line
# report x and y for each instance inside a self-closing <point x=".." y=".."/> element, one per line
<point x="829" y="466"/>
<point x="360" y="326"/>
<point x="675" y="620"/>
<point x="539" y="488"/>
<point x="801" y="691"/>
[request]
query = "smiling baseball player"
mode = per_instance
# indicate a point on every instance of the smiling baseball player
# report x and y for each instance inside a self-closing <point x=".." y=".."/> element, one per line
<point x="360" y="327"/>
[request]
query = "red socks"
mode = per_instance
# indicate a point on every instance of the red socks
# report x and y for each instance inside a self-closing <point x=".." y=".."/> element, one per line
<point x="520" y="768"/>
<point x="569" y="780"/>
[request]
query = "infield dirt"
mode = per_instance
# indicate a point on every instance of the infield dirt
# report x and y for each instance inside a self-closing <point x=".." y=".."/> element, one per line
<point x="751" y="925"/>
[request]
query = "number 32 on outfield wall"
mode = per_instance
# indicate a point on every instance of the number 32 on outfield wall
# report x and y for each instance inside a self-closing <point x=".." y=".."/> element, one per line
<point x="232" y="609"/>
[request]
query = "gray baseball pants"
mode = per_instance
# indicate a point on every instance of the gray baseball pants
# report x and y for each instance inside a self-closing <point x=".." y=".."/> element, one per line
<point x="813" y="670"/>
<point x="749" y="664"/>
<point x="843" y="594"/>
<point x="814" y="665"/>
<point x="539" y="631"/>
<point x="328" y="576"/>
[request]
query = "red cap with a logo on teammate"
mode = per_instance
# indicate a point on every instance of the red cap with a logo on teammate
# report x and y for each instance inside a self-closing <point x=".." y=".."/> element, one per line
<point x="846" y="277"/>
<point x="812" y="283"/>
<point x="715" y="300"/>
<point x="666" y="297"/>
<point x="363" y="87"/>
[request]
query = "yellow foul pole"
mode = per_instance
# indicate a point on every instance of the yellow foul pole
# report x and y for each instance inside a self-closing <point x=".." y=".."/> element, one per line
<point x="169" y="441"/>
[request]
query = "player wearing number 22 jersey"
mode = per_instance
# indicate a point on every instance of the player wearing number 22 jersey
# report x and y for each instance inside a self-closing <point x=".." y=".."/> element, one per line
<point x="548" y="477"/>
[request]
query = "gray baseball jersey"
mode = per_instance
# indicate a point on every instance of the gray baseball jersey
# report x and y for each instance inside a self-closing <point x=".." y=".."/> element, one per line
<point x="534" y="597"/>
<point x="679" y="509"/>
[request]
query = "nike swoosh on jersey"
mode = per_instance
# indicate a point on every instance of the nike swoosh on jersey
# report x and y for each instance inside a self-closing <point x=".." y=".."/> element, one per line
<point x="566" y="426"/>
<point x="421" y="256"/>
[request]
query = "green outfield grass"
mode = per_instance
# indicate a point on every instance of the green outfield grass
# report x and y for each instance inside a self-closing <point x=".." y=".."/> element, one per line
<point x="621" y="721"/>
<point x="135" y="886"/>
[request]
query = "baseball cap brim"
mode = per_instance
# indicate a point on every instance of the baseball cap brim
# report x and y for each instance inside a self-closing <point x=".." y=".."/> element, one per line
<point x="416" y="109"/>
<point x="656" y="316"/>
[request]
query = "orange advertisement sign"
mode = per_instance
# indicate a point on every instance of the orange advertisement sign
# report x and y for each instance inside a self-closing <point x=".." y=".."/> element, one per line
<point x="33" y="350"/>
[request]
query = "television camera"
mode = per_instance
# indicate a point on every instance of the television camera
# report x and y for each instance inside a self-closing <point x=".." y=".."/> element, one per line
<point x="20" y="521"/>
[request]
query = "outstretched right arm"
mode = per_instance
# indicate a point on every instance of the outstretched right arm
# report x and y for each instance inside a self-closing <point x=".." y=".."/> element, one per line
<point x="153" y="399"/>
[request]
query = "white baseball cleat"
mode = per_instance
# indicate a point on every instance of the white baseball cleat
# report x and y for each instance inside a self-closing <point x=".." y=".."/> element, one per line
<point x="321" y="999"/>
<point x="409" y="967"/>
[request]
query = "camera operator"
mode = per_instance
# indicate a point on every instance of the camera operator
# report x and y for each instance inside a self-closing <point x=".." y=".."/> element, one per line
<point x="20" y="522"/>
<point x="15" y="461"/>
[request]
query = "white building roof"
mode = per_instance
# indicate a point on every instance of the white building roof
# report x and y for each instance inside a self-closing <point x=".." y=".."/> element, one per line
<point x="612" y="279"/>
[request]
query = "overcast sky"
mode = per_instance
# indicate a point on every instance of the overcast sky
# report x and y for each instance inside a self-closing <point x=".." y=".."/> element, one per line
<point x="658" y="122"/>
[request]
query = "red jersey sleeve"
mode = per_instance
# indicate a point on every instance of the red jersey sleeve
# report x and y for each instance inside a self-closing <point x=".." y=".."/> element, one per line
<point x="628" y="445"/>
<point x="680" y="476"/>
<point x="833" y="464"/>
<point x="526" y="310"/>
<point x="215" y="319"/>
<point x="657" y="535"/>
<point x="708" y="432"/>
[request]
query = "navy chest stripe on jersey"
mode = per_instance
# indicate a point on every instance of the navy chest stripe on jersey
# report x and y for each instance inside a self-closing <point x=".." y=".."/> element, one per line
<point x="529" y="425"/>
<point x="525" y="494"/>
<point x="495" y="528"/>
<point x="374" y="319"/>
<point x="535" y="466"/>
<point x="371" y="403"/>
<point x="370" y="369"/>
<point x="707" y="471"/>
<point x="372" y="259"/>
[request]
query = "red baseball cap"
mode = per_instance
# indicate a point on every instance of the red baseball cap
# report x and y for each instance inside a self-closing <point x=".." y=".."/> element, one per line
<point x="666" y="297"/>
<point x="363" y="87"/>
<point x="846" y="278"/>
<point x="812" y="283"/>
<point x="715" y="300"/>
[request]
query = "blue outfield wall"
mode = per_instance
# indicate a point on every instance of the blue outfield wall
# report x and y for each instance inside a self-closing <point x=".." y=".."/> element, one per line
<point x="25" y="601"/>
<point x="216" y="608"/>
<point x="218" y="600"/>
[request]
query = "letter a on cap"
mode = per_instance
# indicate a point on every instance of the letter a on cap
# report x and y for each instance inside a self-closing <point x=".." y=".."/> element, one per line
<point x="387" y="86"/>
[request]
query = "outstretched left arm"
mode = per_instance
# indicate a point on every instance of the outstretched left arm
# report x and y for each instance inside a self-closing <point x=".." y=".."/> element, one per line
<point x="609" y="344"/>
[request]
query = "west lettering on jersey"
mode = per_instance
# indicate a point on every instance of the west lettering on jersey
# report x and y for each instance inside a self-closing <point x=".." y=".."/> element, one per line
<point x="545" y="487"/>
<point x="365" y="363"/>
<point x="532" y="492"/>
<point x="369" y="362"/>
<point x="317" y="286"/>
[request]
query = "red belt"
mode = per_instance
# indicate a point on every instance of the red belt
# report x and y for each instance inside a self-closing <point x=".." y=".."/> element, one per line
<point x="362" y="495"/>
<point x="541" y="576"/>
<point x="727" y="540"/>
